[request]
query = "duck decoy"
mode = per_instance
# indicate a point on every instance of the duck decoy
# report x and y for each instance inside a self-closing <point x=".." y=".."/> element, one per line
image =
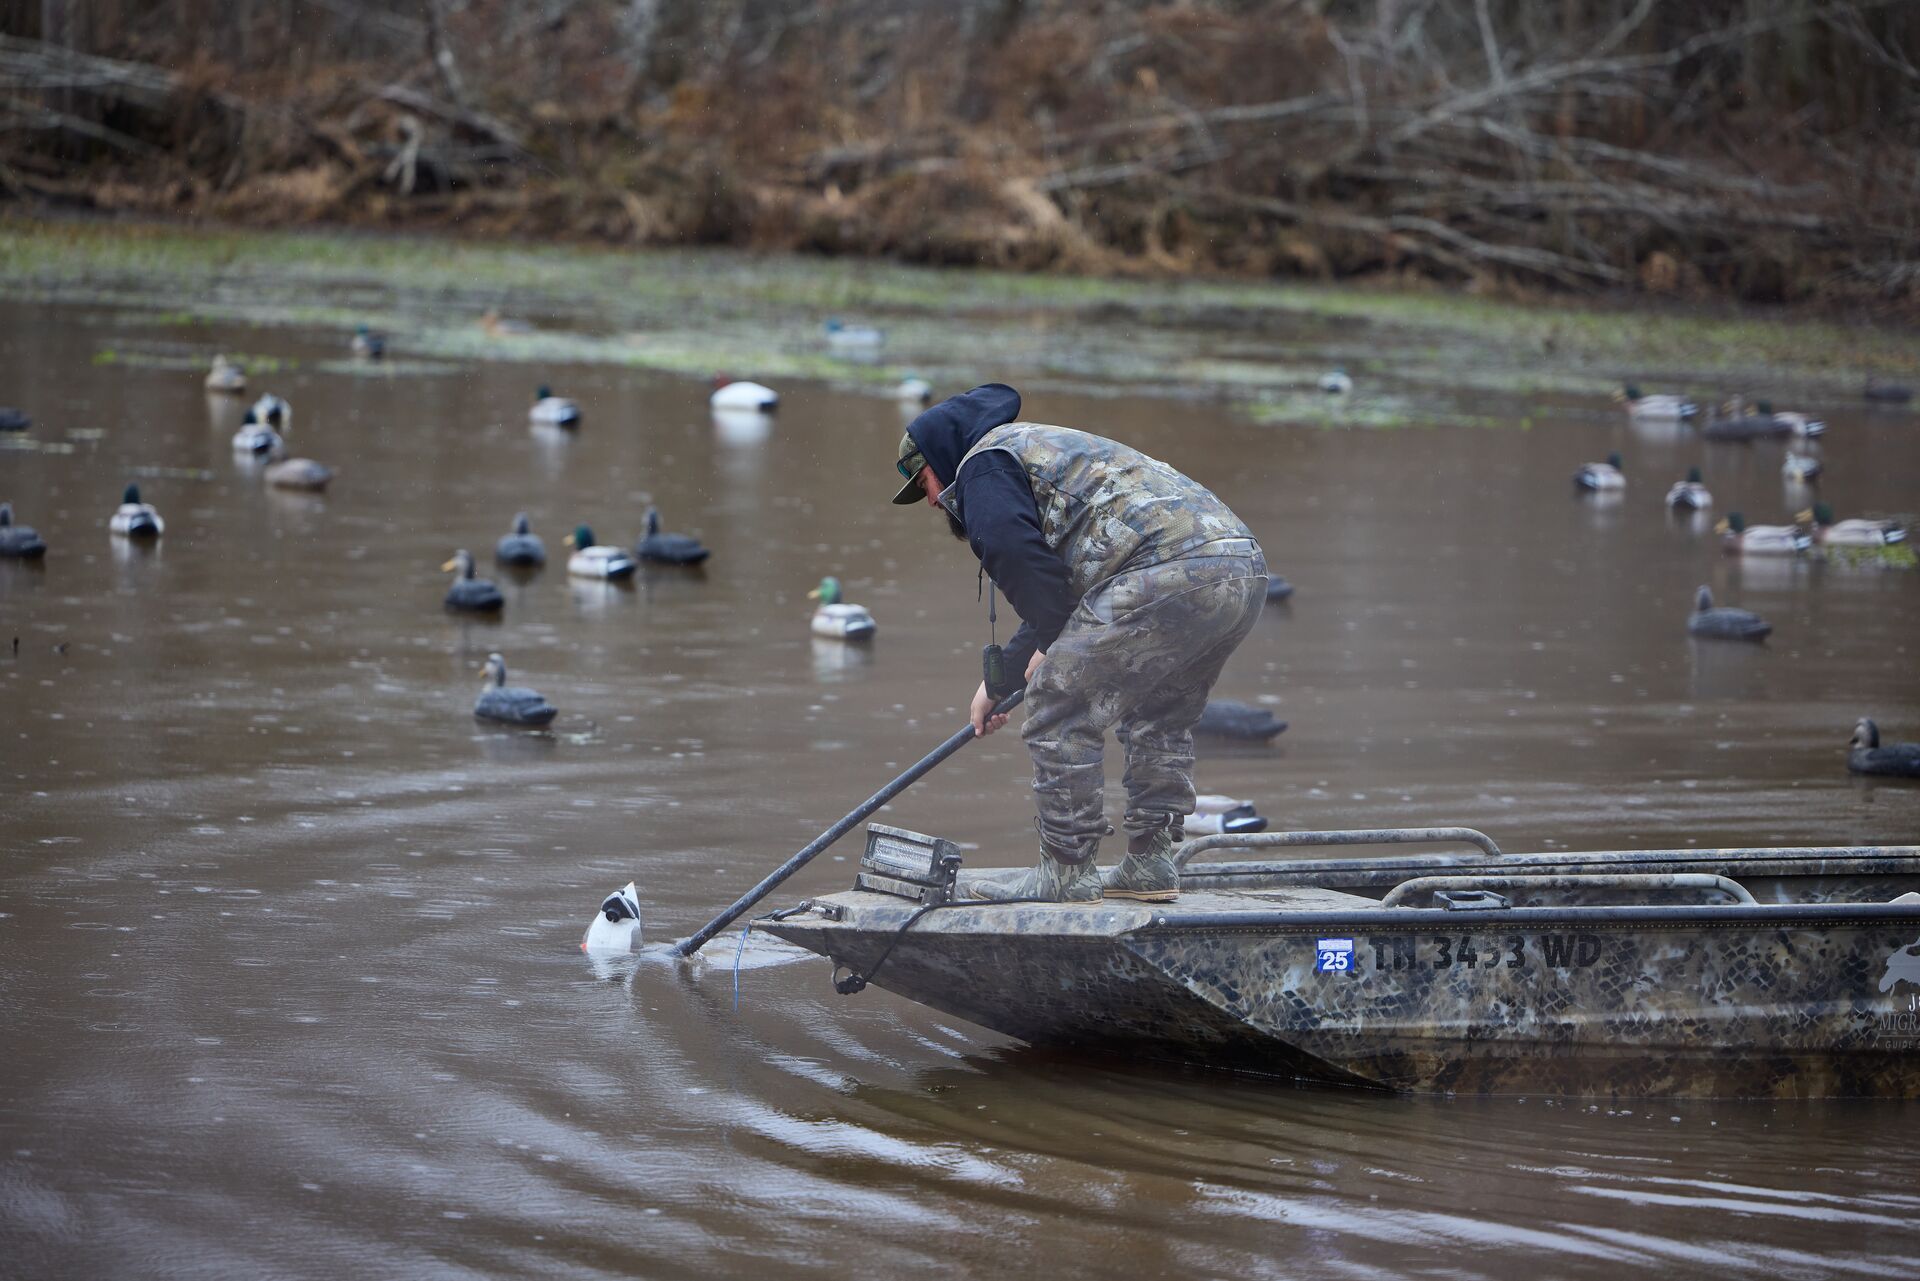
<point x="1224" y="718"/>
<point x="136" y="519"/>
<point x="616" y="926"/>
<point x="1600" y="477"/>
<point x="1724" y="624"/>
<point x="255" y="437"/>
<point x="14" y="419"/>
<point x="470" y="594"/>
<point x="1690" y="495"/>
<point x="226" y="377"/>
<point x="914" y="390"/>
<point x="1660" y="408"/>
<point x="1737" y="420"/>
<point x="1742" y="539"/>
<point x="1800" y="468"/>
<point x="836" y="619"/>
<point x="18" y="542"/>
<point x="596" y="560"/>
<point x="366" y="343"/>
<point x="299" y="473"/>
<point x="1798" y="425"/>
<point x="841" y="334"/>
<point x="1335" y="381"/>
<point x="1213" y="814"/>
<point x="557" y="410"/>
<point x="520" y="546"/>
<point x="668" y="549"/>
<point x="511" y="704"/>
<point x="497" y="326"/>
<point x="1887" y="393"/>
<point x="1856" y="532"/>
<point x="274" y="411"/>
<point x="730" y="394"/>
<point x="1865" y="755"/>
<point x="1278" y="589"/>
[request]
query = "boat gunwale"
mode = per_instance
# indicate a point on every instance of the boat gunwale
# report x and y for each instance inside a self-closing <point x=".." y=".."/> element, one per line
<point x="1801" y="915"/>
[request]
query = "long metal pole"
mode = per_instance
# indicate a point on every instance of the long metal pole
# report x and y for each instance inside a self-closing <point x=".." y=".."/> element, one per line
<point x="961" y="737"/>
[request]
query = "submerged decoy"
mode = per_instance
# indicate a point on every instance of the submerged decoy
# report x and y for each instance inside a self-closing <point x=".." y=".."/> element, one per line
<point x="668" y="549"/>
<point x="299" y="473"/>
<point x="836" y="619"/>
<point x="1335" y="382"/>
<point x="1278" y="589"/>
<point x="511" y="704"/>
<point x="473" y="595"/>
<point x="12" y="419"/>
<point x="841" y="334"/>
<point x="365" y="342"/>
<point x="1655" y="408"/>
<point x="1887" y="393"/>
<point x="616" y="926"/>
<point x="1856" y="532"/>
<point x="255" y="437"/>
<point x="1800" y="468"/>
<point x="1600" y="477"/>
<point x="914" y="390"/>
<point x="18" y="542"/>
<point x="549" y="408"/>
<point x="730" y="394"/>
<point x="136" y="519"/>
<point x="1690" y="495"/>
<point x="226" y="377"/>
<point x="274" y="411"/>
<point x="596" y="560"/>
<point x="520" y="546"/>
<point x="1724" y="624"/>
<point x="1224" y="718"/>
<point x="1866" y="756"/>
<point x="1742" y="539"/>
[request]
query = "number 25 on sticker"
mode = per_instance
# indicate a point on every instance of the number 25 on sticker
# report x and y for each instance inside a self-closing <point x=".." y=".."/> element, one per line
<point x="1333" y="956"/>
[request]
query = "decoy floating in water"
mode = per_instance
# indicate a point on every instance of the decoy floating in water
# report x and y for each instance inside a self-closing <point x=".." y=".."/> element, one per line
<point x="1600" y="477"/>
<point x="731" y="394"/>
<point x="1798" y="424"/>
<point x="473" y="595"/>
<point x="366" y="343"/>
<point x="14" y="419"/>
<point x="1736" y="420"/>
<point x="299" y="473"/>
<point x="1336" y="382"/>
<point x="1278" y="589"/>
<point x="511" y="704"/>
<point x="1690" y="495"/>
<point x="1213" y="814"/>
<point x="274" y="411"/>
<point x="18" y="542"/>
<point x="557" y="410"/>
<point x="1866" y="756"/>
<point x="1800" y="468"/>
<point x="1224" y="718"/>
<point x="1887" y="393"/>
<point x="616" y="926"/>
<point x="1740" y="538"/>
<point x="668" y="549"/>
<point x="498" y="326"/>
<point x="1724" y="624"/>
<point x="1655" y="408"/>
<point x="914" y="390"/>
<point x="520" y="546"/>
<point x="1856" y="532"/>
<point x="840" y="334"/>
<point x="136" y="519"/>
<point x="226" y="377"/>
<point x="255" y="437"/>
<point x="836" y="619"/>
<point x="596" y="560"/>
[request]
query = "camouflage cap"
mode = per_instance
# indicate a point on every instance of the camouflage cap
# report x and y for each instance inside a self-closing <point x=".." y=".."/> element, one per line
<point x="909" y="465"/>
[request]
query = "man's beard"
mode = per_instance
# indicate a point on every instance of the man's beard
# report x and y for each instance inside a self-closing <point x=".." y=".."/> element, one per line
<point x="954" y="526"/>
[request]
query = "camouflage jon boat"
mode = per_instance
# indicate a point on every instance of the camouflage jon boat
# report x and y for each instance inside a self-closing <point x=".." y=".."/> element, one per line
<point x="1730" y="972"/>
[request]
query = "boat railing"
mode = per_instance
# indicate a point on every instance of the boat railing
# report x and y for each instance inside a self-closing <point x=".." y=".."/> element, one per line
<point x="1363" y="836"/>
<point x="1485" y="890"/>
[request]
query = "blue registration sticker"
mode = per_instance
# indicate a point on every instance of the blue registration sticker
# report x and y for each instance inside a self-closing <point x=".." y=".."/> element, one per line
<point x="1333" y="956"/>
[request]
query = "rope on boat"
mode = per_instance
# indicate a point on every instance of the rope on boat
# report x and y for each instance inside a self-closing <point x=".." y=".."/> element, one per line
<point x="855" y="981"/>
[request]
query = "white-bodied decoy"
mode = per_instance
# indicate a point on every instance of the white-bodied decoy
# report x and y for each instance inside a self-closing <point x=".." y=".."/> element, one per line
<point x="1800" y="468"/>
<point x="1661" y="408"/>
<point x="1724" y="624"/>
<point x="1336" y="382"/>
<point x="1600" y="477"/>
<point x="596" y="560"/>
<point x="914" y="390"/>
<point x="511" y="704"/>
<point x="255" y="437"/>
<point x="1742" y="539"/>
<point x="842" y="335"/>
<point x="1690" y="495"/>
<point x="731" y="394"/>
<point x="274" y="411"/>
<point x="136" y="519"/>
<point x="469" y="594"/>
<point x="226" y="377"/>
<point x="557" y="410"/>
<point x="836" y="619"/>
<point x="366" y="343"/>
<point x="1855" y="532"/>
<point x="616" y="926"/>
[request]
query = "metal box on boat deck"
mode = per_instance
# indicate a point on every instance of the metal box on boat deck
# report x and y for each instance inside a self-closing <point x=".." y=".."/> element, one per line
<point x="908" y="865"/>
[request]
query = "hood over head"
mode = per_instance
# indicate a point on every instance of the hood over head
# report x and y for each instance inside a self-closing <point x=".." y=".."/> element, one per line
<point x="947" y="431"/>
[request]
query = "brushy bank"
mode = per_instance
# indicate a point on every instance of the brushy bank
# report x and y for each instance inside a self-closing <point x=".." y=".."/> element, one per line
<point x="1762" y="150"/>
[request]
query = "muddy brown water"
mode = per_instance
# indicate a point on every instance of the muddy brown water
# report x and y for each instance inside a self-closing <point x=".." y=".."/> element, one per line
<point x="288" y="964"/>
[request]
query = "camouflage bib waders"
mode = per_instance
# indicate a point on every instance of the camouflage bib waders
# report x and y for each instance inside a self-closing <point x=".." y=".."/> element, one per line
<point x="1169" y="583"/>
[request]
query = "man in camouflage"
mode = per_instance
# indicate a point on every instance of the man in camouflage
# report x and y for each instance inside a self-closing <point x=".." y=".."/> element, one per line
<point x="1133" y="585"/>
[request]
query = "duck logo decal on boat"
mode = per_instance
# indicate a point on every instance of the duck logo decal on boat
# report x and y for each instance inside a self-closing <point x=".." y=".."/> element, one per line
<point x="1902" y="967"/>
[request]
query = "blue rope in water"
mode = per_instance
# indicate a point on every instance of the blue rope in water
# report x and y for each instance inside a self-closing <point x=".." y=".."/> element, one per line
<point x="737" y="952"/>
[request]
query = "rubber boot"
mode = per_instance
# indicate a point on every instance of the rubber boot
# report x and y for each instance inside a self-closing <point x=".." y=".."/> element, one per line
<point x="1148" y="873"/>
<point x="1051" y="881"/>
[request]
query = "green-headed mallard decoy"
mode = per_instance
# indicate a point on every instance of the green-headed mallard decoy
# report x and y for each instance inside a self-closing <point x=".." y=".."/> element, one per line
<point x="668" y="549"/>
<point x="520" y="546"/>
<point x="1659" y="408"/>
<point x="512" y="704"/>
<point x="1691" y="494"/>
<point x="1600" y="477"/>
<point x="835" y="618"/>
<point x="1742" y="539"/>
<point x="136" y="519"/>
<point x="1724" y="624"/>
<point x="226" y="377"/>
<point x="18" y="542"/>
<point x="1856" y="532"/>
<point x="366" y="343"/>
<point x="274" y="411"/>
<point x="469" y="594"/>
<point x="554" y="410"/>
<point x="597" y="560"/>
<point x="255" y="437"/>
<point x="1865" y="755"/>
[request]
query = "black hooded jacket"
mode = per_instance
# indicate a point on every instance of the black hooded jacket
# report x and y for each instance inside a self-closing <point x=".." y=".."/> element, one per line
<point x="1003" y="521"/>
